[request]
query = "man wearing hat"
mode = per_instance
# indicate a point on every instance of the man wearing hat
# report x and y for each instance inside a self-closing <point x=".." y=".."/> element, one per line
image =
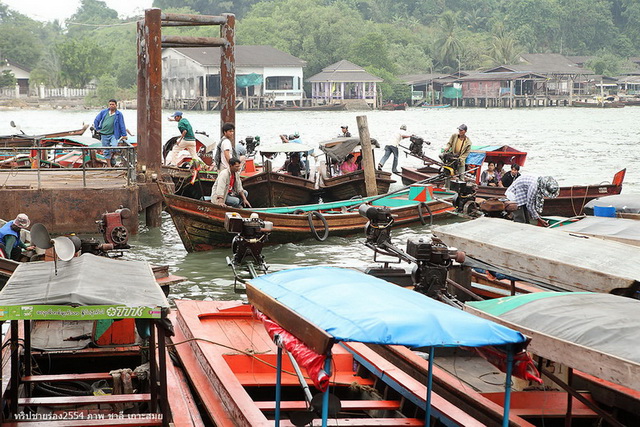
<point x="528" y="192"/>
<point x="392" y="148"/>
<point x="10" y="243"/>
<point x="344" y="132"/>
<point x="459" y="145"/>
<point x="186" y="141"/>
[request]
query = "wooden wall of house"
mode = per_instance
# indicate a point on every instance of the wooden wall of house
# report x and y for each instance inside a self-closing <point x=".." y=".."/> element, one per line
<point x="481" y="89"/>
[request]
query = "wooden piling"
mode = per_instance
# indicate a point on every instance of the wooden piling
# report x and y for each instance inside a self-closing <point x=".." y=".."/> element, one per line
<point x="367" y="157"/>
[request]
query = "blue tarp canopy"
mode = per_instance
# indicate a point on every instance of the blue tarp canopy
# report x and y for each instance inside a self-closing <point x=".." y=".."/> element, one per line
<point x="475" y="158"/>
<point x="353" y="306"/>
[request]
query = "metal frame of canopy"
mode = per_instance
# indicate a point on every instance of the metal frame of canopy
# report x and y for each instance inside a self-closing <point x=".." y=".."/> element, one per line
<point x="28" y="312"/>
<point x="319" y="340"/>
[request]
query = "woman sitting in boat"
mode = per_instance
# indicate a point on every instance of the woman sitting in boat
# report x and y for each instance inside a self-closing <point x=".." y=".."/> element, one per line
<point x="349" y="165"/>
<point x="489" y="177"/>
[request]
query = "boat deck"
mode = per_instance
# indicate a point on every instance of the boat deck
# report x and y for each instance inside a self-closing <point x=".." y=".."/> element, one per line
<point x="62" y="179"/>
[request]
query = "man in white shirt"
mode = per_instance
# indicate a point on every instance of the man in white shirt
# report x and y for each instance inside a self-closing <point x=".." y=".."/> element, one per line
<point x="226" y="146"/>
<point x="393" y="149"/>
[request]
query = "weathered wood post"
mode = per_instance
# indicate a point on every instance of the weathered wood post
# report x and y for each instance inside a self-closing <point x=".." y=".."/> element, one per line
<point x="149" y="146"/>
<point x="367" y="157"/>
<point x="228" y="72"/>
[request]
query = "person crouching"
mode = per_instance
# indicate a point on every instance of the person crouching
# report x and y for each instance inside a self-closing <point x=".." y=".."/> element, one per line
<point x="227" y="190"/>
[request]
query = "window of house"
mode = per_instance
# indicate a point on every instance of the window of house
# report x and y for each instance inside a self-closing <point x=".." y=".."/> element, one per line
<point x="279" y="82"/>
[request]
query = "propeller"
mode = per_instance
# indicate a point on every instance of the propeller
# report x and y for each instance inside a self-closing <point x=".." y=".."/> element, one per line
<point x="17" y="126"/>
<point x="304" y="418"/>
<point x="63" y="247"/>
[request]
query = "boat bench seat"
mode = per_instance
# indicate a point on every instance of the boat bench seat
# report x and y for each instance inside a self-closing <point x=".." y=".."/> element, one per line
<point x="347" y="405"/>
<point x="69" y="377"/>
<point x="84" y="400"/>
<point x="543" y="403"/>
<point x="269" y="379"/>
<point x="86" y="423"/>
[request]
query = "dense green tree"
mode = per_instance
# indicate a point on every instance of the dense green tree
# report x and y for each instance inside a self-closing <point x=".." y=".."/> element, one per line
<point x="90" y="15"/>
<point x="606" y="63"/>
<point x="81" y="61"/>
<point x="7" y="79"/>
<point x="48" y="70"/>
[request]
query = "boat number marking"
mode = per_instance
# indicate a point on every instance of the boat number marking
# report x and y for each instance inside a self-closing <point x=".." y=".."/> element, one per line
<point x="281" y="178"/>
<point x="602" y="190"/>
<point x="203" y="209"/>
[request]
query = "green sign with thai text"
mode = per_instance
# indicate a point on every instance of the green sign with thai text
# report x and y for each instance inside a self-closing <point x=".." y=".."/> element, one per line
<point x="65" y="312"/>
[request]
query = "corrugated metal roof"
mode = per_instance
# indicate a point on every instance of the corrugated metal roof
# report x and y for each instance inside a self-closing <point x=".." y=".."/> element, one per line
<point x="246" y="56"/>
<point x="421" y="78"/>
<point x="344" y="71"/>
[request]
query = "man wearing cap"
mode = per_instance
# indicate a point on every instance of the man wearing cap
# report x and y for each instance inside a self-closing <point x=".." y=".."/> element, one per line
<point x="393" y="149"/>
<point x="10" y="243"/>
<point x="344" y="132"/>
<point x="528" y="192"/>
<point x="109" y="123"/>
<point x="459" y="145"/>
<point x="186" y="141"/>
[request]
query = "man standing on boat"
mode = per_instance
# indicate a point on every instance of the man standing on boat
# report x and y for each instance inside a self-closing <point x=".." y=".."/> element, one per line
<point x="460" y="146"/>
<point x="227" y="147"/>
<point x="227" y="190"/>
<point x="392" y="148"/>
<point x="528" y="192"/>
<point x="186" y="141"/>
<point x="344" y="132"/>
<point x="110" y="125"/>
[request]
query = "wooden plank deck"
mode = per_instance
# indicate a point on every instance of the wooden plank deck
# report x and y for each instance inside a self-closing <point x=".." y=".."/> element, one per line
<point x="60" y="179"/>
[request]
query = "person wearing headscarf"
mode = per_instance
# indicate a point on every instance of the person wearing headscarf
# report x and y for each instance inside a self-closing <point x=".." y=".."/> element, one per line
<point x="10" y="243"/>
<point x="528" y="192"/>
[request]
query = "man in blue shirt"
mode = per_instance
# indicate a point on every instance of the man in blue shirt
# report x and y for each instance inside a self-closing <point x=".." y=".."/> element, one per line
<point x="110" y="124"/>
<point x="10" y="243"/>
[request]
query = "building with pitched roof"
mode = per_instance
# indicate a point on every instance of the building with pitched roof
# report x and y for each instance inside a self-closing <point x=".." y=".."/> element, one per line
<point x="344" y="82"/>
<point x="21" y="75"/>
<point x="264" y="76"/>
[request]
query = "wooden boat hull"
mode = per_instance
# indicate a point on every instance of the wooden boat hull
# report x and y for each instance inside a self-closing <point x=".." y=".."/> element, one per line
<point x="583" y="104"/>
<point x="346" y="186"/>
<point x="330" y="107"/>
<point x="200" y="224"/>
<point x="570" y="201"/>
<point x="236" y="365"/>
<point x="32" y="140"/>
<point x="268" y="189"/>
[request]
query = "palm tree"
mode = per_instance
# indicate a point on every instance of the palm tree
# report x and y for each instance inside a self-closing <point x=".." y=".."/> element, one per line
<point x="448" y="46"/>
<point x="504" y="49"/>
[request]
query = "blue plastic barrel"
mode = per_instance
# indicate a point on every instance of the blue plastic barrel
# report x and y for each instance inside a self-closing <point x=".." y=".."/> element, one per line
<point x="606" y="211"/>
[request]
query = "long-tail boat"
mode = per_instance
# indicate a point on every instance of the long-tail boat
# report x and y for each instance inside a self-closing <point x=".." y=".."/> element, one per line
<point x="23" y="140"/>
<point x="570" y="201"/>
<point x="246" y="380"/>
<point x="339" y="186"/>
<point x="74" y="354"/>
<point x="200" y="224"/>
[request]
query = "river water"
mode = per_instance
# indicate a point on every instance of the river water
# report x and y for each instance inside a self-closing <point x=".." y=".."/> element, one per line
<point x="575" y="145"/>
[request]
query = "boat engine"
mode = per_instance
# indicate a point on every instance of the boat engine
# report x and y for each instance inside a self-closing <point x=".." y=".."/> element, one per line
<point x="251" y="143"/>
<point x="251" y="235"/>
<point x="378" y="228"/>
<point x="465" y="198"/>
<point x="416" y="145"/>
<point x="451" y="162"/>
<point x="432" y="261"/>
<point x="113" y="230"/>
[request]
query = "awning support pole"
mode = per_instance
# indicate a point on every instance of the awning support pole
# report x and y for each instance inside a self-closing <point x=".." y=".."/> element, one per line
<point x="278" y="385"/>
<point x="427" y="421"/>
<point x="507" y="386"/>
<point x="325" y="395"/>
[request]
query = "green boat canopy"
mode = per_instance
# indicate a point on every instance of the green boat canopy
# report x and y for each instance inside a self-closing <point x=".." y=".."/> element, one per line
<point x="39" y="290"/>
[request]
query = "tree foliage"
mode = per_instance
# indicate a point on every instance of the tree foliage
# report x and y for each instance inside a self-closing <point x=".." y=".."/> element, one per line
<point x="7" y="79"/>
<point x="387" y="37"/>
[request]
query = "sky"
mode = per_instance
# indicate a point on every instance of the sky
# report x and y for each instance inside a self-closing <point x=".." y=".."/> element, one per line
<point x="49" y="10"/>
